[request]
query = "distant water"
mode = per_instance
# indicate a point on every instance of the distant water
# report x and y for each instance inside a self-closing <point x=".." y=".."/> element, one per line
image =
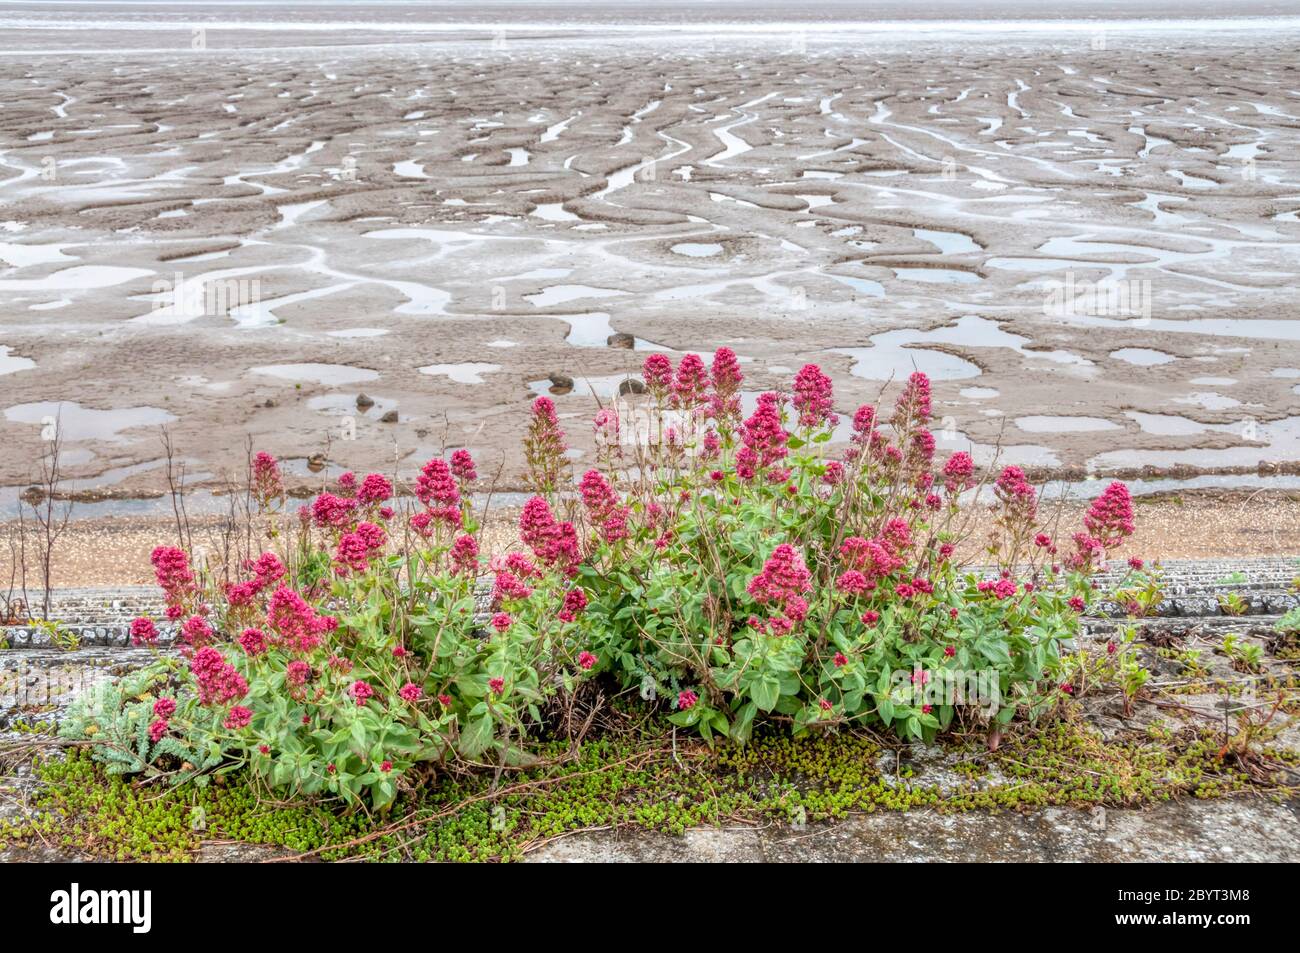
<point x="64" y="26"/>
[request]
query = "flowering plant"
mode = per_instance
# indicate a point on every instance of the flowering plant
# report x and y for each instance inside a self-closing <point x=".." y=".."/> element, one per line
<point x="727" y="564"/>
<point x="745" y="575"/>
<point x="354" y="654"/>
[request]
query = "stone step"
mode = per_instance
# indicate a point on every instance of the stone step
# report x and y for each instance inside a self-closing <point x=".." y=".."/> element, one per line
<point x="1206" y="604"/>
<point x="102" y="616"/>
<point x="102" y="635"/>
<point x="37" y="686"/>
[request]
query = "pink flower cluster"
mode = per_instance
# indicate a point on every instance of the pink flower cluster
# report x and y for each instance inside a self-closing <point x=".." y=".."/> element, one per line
<point x="196" y="632"/>
<point x="437" y="489"/>
<point x="781" y="586"/>
<point x="553" y="542"/>
<point x="374" y="490"/>
<point x="724" y="402"/>
<point x="813" y="398"/>
<point x="163" y="709"/>
<point x="143" y="632"/>
<point x="957" y="472"/>
<point x="172" y="570"/>
<point x="355" y="549"/>
<point x="690" y="388"/>
<point x="913" y="406"/>
<point x="1110" y="518"/>
<point x="253" y="642"/>
<point x="575" y="601"/>
<point x="267" y="484"/>
<point x="1016" y="494"/>
<point x="510" y="576"/>
<point x="1003" y="588"/>
<point x="657" y="369"/>
<point x="239" y="717"/>
<point x="333" y="512"/>
<point x="464" y="555"/>
<point x="864" y="424"/>
<point x="296" y="625"/>
<point x="764" y="438"/>
<point x="1089" y="553"/>
<point x="462" y="467"/>
<point x="544" y="445"/>
<point x="218" y="681"/>
<point x="604" y="508"/>
<point x="267" y="570"/>
<point x="878" y="557"/>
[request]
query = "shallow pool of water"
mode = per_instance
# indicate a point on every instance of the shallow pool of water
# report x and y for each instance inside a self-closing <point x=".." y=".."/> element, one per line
<point x="76" y="422"/>
<point x="331" y="375"/>
<point x="603" y="387"/>
<point x="1142" y="356"/>
<point x="896" y="354"/>
<point x="20" y="255"/>
<point x="11" y="363"/>
<point x="1042" y="423"/>
<point x="77" y="278"/>
<point x="697" y="249"/>
<point x="562" y="294"/>
<point x="554" y="212"/>
<point x="949" y="243"/>
<point x="936" y="275"/>
<point x="345" y="405"/>
<point x="864" y="285"/>
<point x="1208" y="400"/>
<point x="470" y="372"/>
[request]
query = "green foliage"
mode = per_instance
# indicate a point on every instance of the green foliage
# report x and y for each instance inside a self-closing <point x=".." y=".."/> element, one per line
<point x="640" y="782"/>
<point x="732" y="572"/>
<point x="61" y="637"/>
<point x="116" y="714"/>
<point x="1245" y="656"/>
<point x="1141" y="592"/>
<point x="1126" y="668"/>
<point x="928" y="647"/>
<point x="1231" y="603"/>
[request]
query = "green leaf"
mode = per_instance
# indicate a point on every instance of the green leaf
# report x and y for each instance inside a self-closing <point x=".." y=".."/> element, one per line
<point x="743" y="726"/>
<point x="476" y="737"/>
<point x="995" y="651"/>
<point x="765" y="690"/>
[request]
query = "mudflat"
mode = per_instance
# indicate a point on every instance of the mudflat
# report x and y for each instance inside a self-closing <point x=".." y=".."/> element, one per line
<point x="229" y="221"/>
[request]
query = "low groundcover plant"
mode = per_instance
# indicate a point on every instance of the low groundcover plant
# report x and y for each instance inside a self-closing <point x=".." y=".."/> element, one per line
<point x="723" y="564"/>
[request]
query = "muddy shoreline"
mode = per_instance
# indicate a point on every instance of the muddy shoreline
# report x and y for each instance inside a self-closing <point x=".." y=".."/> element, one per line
<point x="234" y="241"/>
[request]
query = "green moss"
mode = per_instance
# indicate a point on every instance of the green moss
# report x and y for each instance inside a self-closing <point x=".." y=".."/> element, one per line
<point x="626" y="782"/>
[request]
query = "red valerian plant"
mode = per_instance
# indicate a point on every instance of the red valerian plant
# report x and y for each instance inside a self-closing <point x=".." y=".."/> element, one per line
<point x="724" y="562"/>
<point x="754" y="578"/>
